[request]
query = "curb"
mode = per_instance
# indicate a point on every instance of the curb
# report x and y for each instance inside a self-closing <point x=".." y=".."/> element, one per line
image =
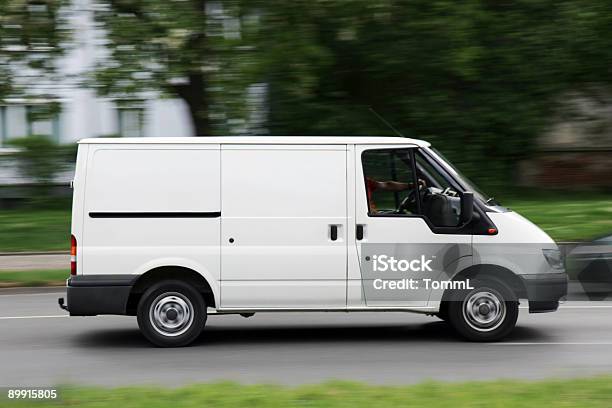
<point x="34" y="253"/>
<point x="49" y="284"/>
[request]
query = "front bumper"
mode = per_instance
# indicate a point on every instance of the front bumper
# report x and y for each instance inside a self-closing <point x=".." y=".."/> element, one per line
<point x="99" y="294"/>
<point x="545" y="290"/>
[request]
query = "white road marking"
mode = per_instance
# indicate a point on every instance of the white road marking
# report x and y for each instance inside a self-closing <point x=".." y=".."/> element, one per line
<point x="32" y="317"/>
<point x="585" y="307"/>
<point x="547" y="343"/>
<point x="576" y="307"/>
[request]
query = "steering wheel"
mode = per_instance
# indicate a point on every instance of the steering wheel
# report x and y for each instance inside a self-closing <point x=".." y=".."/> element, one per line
<point x="409" y="202"/>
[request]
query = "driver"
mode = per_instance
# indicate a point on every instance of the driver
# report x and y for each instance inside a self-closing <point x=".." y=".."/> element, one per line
<point x="392" y="186"/>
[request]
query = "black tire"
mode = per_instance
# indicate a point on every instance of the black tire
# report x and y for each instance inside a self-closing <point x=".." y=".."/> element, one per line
<point x="467" y="310"/>
<point x="443" y="313"/>
<point x="171" y="313"/>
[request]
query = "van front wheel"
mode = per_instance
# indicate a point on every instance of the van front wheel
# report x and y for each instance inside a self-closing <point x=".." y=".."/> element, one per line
<point x="171" y="314"/>
<point x="488" y="312"/>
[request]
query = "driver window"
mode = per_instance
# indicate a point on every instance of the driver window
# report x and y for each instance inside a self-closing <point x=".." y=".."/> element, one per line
<point x="389" y="185"/>
<point x="389" y="181"/>
<point x="440" y="202"/>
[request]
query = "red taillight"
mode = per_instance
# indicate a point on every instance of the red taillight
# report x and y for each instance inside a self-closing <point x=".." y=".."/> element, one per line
<point x="492" y="231"/>
<point x="73" y="245"/>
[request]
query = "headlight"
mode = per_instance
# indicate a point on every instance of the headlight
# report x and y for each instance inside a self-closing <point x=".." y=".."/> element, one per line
<point x="554" y="259"/>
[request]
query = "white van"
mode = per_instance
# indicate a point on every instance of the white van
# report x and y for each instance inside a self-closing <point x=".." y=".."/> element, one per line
<point x="173" y="229"/>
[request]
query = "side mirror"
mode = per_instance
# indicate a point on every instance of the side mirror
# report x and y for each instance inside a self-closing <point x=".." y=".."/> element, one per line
<point x="467" y="207"/>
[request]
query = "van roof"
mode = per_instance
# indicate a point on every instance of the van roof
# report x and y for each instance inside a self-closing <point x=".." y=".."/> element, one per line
<point x="318" y="140"/>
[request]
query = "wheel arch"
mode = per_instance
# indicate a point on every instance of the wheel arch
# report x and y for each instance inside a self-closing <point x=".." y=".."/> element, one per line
<point x="161" y="273"/>
<point x="493" y="271"/>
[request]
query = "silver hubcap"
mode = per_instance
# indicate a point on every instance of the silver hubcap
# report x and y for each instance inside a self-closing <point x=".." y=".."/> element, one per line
<point x="171" y="314"/>
<point x="484" y="310"/>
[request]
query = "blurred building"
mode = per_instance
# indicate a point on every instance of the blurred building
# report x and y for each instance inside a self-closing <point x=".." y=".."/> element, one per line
<point x="576" y="152"/>
<point x="80" y="113"/>
<point x="66" y="108"/>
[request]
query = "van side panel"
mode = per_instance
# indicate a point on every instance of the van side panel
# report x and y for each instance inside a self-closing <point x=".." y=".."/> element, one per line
<point x="148" y="206"/>
<point x="278" y="207"/>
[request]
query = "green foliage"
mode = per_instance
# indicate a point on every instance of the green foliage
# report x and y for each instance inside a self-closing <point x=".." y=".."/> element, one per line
<point x="592" y="392"/>
<point x="35" y="230"/>
<point x="31" y="36"/>
<point x="36" y="278"/>
<point x="178" y="48"/>
<point x="40" y="159"/>
<point x="479" y="79"/>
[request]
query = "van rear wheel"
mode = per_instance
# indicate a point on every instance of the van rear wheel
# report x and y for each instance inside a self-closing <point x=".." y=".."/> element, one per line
<point x="171" y="314"/>
<point x="486" y="313"/>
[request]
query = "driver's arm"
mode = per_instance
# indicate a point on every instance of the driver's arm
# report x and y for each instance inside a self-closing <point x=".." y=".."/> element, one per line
<point x="395" y="186"/>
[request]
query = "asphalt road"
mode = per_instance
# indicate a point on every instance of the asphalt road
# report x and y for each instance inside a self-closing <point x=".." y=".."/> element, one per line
<point x="40" y="346"/>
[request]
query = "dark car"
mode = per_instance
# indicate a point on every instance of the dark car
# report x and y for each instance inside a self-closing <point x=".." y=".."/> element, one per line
<point x="589" y="267"/>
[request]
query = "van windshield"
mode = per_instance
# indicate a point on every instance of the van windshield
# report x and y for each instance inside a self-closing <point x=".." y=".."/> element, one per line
<point x="466" y="182"/>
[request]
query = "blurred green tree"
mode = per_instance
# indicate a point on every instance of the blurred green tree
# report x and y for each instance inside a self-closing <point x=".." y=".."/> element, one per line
<point x="179" y="48"/>
<point x="32" y="35"/>
<point x="481" y="79"/>
<point x="39" y="160"/>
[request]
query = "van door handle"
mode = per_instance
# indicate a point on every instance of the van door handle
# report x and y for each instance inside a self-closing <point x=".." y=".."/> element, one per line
<point x="359" y="232"/>
<point x="333" y="232"/>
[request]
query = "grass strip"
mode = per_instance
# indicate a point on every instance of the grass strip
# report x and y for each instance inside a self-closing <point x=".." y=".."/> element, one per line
<point x="50" y="277"/>
<point x="589" y="392"/>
